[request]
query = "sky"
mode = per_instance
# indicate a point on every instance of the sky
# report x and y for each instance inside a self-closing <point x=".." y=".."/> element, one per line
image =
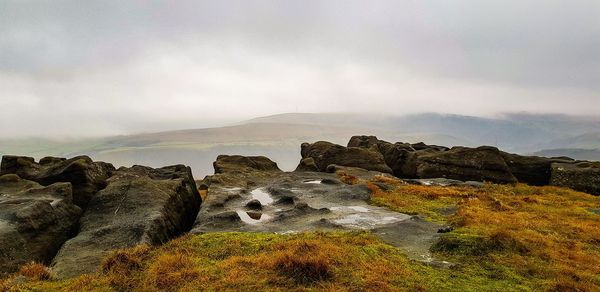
<point x="94" y="68"/>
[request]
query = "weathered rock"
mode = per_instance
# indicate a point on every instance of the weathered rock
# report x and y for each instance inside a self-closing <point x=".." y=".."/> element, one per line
<point x="325" y="154"/>
<point x="85" y="175"/>
<point x="584" y="177"/>
<point x="363" y="141"/>
<point x="400" y="157"/>
<point x="238" y="163"/>
<point x="307" y="164"/>
<point x="34" y="221"/>
<point x="477" y="164"/>
<point x="139" y="205"/>
<point x="531" y="170"/>
<point x="423" y="146"/>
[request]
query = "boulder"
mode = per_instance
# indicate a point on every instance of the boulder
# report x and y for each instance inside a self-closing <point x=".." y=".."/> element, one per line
<point x="238" y="163"/>
<point x="532" y="170"/>
<point x="35" y="221"/>
<point x="467" y="164"/>
<point x="325" y="153"/>
<point x="85" y="175"/>
<point x="140" y="205"/>
<point x="400" y="157"/>
<point x="583" y="176"/>
<point x="363" y="141"/>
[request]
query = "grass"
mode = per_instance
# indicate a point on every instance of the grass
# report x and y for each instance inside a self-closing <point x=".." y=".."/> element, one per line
<point x="244" y="261"/>
<point x="547" y="238"/>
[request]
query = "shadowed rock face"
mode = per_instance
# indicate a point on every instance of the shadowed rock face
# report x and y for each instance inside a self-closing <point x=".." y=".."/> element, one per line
<point x="479" y="164"/>
<point x="86" y="176"/>
<point x="34" y="221"/>
<point x="139" y="205"/>
<point x="583" y="176"/>
<point x="325" y="153"/>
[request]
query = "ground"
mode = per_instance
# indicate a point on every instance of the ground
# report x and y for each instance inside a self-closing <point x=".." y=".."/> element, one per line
<point x="503" y="237"/>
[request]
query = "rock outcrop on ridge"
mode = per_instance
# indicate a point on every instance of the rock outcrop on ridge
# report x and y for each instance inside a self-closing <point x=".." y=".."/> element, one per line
<point x="484" y="163"/>
<point x="86" y="176"/>
<point x="325" y="153"/>
<point x="35" y="221"/>
<point x="139" y="205"/>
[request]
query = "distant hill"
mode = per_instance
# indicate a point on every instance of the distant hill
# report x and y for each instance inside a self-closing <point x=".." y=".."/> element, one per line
<point x="279" y="137"/>
<point x="581" y="154"/>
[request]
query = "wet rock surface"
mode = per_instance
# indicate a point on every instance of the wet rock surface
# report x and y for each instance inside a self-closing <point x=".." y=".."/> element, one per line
<point x="305" y="201"/>
<point x="139" y="205"/>
<point x="35" y="221"/>
<point x="86" y="176"/>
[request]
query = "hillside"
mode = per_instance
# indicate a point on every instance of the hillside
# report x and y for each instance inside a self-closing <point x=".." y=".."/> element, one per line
<point x="278" y="137"/>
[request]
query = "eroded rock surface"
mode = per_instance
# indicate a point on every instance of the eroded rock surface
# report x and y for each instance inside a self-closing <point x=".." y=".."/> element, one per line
<point x="35" y="221"/>
<point x="582" y="176"/>
<point x="139" y="205"/>
<point x="476" y="164"/>
<point x="86" y="176"/>
<point x="325" y="153"/>
<point x="283" y="202"/>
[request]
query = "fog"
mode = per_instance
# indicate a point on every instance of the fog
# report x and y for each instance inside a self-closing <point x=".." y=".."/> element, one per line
<point x="95" y="68"/>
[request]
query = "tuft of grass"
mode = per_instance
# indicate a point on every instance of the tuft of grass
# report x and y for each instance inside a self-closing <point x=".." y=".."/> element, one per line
<point x="35" y="271"/>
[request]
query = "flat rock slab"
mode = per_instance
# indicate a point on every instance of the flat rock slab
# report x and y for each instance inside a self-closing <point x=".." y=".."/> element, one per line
<point x="139" y="205"/>
<point x="34" y="221"/>
<point x="304" y="201"/>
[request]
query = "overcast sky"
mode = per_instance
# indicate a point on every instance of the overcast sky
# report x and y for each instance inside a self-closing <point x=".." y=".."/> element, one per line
<point x="109" y="67"/>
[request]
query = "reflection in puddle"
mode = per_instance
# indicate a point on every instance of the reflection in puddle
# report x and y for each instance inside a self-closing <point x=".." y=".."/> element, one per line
<point x="263" y="197"/>
<point x="247" y="219"/>
<point x="313" y="182"/>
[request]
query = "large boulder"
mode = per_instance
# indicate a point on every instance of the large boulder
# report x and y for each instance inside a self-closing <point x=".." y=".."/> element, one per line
<point x="140" y="205"/>
<point x="238" y="163"/>
<point x="363" y="141"/>
<point x="400" y="157"/>
<point x="467" y="164"/>
<point x="532" y="170"/>
<point x="85" y="175"/>
<point x="582" y="176"/>
<point x="34" y="221"/>
<point x="325" y="153"/>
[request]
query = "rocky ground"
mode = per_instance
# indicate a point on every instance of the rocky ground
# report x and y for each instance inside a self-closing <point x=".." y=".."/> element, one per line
<point x="71" y="214"/>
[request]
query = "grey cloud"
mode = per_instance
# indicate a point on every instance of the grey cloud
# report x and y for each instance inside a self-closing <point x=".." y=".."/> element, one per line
<point x="152" y="65"/>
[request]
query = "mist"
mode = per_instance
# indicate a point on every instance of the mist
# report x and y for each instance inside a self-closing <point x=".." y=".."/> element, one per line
<point x="121" y="67"/>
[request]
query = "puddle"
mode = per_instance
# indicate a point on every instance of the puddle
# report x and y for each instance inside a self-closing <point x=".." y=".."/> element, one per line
<point x="359" y="209"/>
<point x="247" y="219"/>
<point x="313" y="182"/>
<point x="365" y="222"/>
<point x="263" y="197"/>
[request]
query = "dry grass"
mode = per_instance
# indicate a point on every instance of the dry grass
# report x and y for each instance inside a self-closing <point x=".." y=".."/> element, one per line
<point x="251" y="261"/>
<point x="35" y="271"/>
<point x="546" y="236"/>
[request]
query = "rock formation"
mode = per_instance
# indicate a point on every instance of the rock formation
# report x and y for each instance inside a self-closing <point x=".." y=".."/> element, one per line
<point x="35" y="221"/>
<point x="582" y="176"/>
<point x="325" y="153"/>
<point x="139" y="205"/>
<point x="476" y="164"/>
<point x="85" y="175"/>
